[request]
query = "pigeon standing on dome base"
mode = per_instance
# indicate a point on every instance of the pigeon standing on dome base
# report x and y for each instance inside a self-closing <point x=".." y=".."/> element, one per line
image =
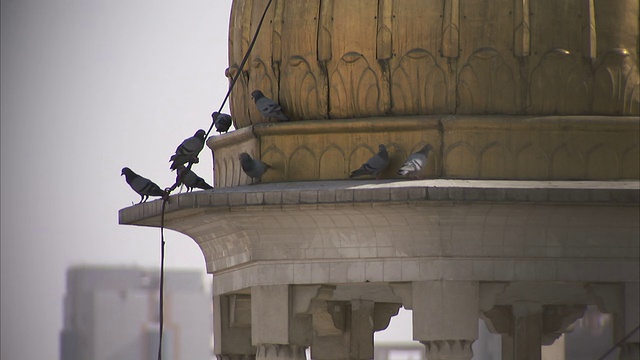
<point x="375" y="165"/>
<point x="267" y="107"/>
<point x="252" y="167"/>
<point x="415" y="163"/>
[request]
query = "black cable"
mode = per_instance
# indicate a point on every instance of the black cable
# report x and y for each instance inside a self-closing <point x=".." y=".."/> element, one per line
<point x="244" y="60"/>
<point x="168" y="191"/>
<point x="619" y="343"/>
<point x="161" y="317"/>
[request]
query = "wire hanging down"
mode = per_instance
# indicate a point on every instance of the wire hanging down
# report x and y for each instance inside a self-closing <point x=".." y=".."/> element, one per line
<point x="619" y="343"/>
<point x="168" y="191"/>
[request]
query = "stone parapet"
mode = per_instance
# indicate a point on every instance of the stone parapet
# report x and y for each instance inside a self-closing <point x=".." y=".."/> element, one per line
<point x="385" y="191"/>
<point x="473" y="147"/>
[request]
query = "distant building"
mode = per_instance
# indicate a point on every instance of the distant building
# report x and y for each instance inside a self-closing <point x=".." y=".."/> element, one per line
<point x="112" y="313"/>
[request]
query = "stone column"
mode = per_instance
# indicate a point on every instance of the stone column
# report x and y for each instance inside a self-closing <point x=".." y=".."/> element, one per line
<point x="623" y="302"/>
<point x="349" y="333"/>
<point x="630" y="349"/>
<point x="527" y="336"/>
<point x="362" y="329"/>
<point x="232" y="327"/>
<point x="445" y="318"/>
<point x="526" y="326"/>
<point x="272" y="324"/>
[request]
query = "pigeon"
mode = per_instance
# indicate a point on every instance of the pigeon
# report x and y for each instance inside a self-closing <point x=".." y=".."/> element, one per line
<point x="143" y="186"/>
<point x="374" y="165"/>
<point x="415" y="162"/>
<point x="188" y="150"/>
<point x="190" y="179"/>
<point x="221" y="121"/>
<point x="268" y="107"/>
<point x="253" y="168"/>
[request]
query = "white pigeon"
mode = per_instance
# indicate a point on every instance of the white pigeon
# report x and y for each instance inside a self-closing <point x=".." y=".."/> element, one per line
<point x="188" y="150"/>
<point x="268" y="108"/>
<point x="415" y="162"/>
<point x="375" y="165"/>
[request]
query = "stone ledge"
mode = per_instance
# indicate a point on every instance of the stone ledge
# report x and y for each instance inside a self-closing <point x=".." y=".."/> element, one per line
<point x="362" y="192"/>
<point x="594" y="148"/>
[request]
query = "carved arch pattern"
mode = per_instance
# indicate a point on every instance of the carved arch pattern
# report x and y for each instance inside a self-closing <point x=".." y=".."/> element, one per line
<point x="617" y="85"/>
<point x="601" y="159"/>
<point x="559" y="85"/>
<point x="332" y="163"/>
<point x="495" y="161"/>
<point x="302" y="164"/>
<point x="486" y="85"/>
<point x="461" y="160"/>
<point x="355" y="90"/>
<point x="300" y="98"/>
<point x="418" y="85"/>
<point x="531" y="162"/>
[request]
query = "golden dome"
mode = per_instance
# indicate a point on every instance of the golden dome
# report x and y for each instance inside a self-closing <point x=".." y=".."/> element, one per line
<point x="328" y="59"/>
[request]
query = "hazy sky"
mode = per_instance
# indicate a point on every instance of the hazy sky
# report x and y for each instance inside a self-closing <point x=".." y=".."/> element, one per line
<point x="88" y="87"/>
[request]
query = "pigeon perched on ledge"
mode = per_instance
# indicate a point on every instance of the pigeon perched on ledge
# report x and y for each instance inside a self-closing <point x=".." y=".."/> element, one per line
<point x="252" y="167"/>
<point x="375" y="165"/>
<point x="415" y="162"/>
<point x="143" y="186"/>
<point x="221" y="121"/>
<point x="268" y="108"/>
<point x="188" y="150"/>
<point x="190" y="179"/>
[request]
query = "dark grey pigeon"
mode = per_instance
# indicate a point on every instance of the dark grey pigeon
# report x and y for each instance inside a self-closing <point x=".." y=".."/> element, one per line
<point x="190" y="179"/>
<point x="374" y="165"/>
<point x="415" y="162"/>
<point x="268" y="108"/>
<point x="222" y="122"/>
<point x="188" y="150"/>
<point x="143" y="186"/>
<point x="253" y="168"/>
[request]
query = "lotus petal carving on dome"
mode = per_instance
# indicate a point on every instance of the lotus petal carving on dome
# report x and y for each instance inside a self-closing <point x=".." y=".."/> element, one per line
<point x="355" y="91"/>
<point x="418" y="85"/>
<point x="560" y="84"/>
<point x="486" y="84"/>
<point x="617" y="85"/>
<point x="299" y="91"/>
